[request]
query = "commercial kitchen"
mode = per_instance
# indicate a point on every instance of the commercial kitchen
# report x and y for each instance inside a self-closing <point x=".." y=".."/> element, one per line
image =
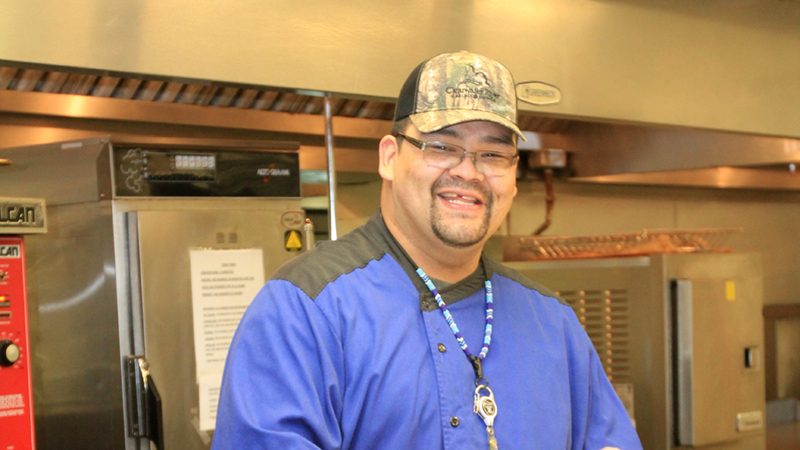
<point x="151" y="152"/>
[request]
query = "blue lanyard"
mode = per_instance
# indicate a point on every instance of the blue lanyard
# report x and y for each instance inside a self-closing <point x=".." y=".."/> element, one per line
<point x="476" y="361"/>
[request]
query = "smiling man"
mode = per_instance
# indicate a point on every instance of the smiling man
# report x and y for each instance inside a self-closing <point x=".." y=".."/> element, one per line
<point x="441" y="201"/>
<point x="402" y="334"/>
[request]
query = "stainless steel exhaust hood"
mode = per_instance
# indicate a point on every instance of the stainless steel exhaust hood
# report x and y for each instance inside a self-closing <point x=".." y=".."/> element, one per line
<point x="634" y="154"/>
<point x="62" y="104"/>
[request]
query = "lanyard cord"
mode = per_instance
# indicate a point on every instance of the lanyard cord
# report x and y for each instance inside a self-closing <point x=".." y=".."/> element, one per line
<point x="476" y="361"/>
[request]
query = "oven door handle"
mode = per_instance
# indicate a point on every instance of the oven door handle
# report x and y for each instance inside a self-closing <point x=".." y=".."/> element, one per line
<point x="683" y="342"/>
<point x="145" y="418"/>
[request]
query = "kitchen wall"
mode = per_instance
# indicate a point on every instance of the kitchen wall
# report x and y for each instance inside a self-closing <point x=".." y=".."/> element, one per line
<point x="769" y="220"/>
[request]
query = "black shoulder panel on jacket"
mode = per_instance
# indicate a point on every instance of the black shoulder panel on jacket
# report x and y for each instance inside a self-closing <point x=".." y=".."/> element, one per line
<point x="314" y="270"/>
<point x="522" y="279"/>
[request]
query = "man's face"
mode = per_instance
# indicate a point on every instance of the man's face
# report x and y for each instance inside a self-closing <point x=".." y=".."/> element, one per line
<point x="461" y="206"/>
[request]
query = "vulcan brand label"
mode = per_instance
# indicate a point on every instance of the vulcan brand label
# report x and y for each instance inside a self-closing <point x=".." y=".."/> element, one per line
<point x="538" y="93"/>
<point x="18" y="215"/>
<point x="10" y="251"/>
<point x="273" y="172"/>
<point x="293" y="219"/>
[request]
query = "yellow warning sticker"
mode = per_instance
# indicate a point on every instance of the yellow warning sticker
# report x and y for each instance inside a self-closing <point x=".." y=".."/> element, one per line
<point x="293" y="242"/>
<point x="730" y="290"/>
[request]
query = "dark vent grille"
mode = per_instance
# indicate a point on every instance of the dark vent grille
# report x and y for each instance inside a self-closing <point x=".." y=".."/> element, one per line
<point x="214" y="94"/>
<point x="605" y="316"/>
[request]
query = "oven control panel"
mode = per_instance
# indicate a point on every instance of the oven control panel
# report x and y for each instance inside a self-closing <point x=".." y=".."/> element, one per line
<point x="16" y="398"/>
<point x="180" y="172"/>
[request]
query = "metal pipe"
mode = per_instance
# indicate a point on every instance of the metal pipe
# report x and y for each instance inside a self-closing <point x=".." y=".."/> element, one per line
<point x="549" y="200"/>
<point x="331" y="169"/>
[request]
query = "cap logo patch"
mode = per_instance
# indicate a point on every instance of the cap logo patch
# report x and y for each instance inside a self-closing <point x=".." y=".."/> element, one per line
<point x="475" y="85"/>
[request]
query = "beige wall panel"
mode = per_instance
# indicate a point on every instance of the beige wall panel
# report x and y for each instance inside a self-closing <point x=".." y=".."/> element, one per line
<point x="713" y="64"/>
<point x="582" y="210"/>
<point x="768" y="219"/>
<point x="356" y="203"/>
<point x="770" y="222"/>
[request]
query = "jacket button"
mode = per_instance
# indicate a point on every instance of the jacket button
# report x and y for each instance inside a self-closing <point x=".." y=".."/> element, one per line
<point x="441" y="348"/>
<point x="455" y="421"/>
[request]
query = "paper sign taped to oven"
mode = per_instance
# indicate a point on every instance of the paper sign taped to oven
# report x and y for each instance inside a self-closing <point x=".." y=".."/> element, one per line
<point x="224" y="282"/>
<point x="208" y="388"/>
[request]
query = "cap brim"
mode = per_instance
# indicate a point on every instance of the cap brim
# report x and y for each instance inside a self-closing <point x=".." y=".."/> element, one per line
<point x="430" y="121"/>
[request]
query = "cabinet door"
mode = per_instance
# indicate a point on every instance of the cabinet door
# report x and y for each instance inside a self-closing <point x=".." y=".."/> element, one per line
<point x="166" y="239"/>
<point x="719" y="376"/>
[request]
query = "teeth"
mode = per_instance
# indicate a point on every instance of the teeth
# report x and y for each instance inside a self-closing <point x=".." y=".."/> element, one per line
<point x="461" y="199"/>
<point x="462" y="202"/>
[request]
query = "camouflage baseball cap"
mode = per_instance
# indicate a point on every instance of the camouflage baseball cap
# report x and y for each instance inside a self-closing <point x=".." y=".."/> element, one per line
<point x="458" y="87"/>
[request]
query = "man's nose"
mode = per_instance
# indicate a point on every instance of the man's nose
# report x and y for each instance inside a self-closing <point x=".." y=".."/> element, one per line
<point x="468" y="167"/>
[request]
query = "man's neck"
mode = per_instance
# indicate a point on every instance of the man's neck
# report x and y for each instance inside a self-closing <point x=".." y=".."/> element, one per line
<point x="443" y="262"/>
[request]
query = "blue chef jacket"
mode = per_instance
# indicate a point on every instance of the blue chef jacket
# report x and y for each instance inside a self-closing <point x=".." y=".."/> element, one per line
<point x="345" y="349"/>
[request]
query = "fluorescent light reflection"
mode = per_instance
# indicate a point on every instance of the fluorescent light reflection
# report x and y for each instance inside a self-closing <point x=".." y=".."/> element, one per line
<point x="85" y="294"/>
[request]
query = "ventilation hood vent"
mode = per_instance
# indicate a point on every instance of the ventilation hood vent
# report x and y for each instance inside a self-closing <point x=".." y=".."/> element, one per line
<point x="213" y="94"/>
<point x="598" y="152"/>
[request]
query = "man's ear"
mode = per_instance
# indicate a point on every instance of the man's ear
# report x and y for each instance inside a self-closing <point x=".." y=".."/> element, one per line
<point x="387" y="155"/>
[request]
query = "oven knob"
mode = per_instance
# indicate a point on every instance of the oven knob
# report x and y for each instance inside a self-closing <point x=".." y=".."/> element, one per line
<point x="9" y="353"/>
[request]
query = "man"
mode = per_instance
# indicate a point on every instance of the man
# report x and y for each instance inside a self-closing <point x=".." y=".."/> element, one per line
<point x="401" y="335"/>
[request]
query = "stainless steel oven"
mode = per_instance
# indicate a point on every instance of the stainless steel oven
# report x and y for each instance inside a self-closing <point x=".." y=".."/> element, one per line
<point x="681" y="335"/>
<point x="152" y="254"/>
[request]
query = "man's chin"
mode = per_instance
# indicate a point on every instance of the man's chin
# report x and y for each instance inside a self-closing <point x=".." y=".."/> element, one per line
<point x="459" y="230"/>
<point x="458" y="238"/>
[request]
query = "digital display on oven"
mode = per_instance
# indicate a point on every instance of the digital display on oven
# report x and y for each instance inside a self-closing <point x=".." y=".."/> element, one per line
<point x="173" y="166"/>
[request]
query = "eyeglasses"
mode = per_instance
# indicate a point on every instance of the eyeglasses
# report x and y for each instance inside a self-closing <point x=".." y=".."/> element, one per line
<point x="447" y="156"/>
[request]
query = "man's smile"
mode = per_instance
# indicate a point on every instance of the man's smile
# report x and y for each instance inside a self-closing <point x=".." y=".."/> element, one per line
<point x="459" y="199"/>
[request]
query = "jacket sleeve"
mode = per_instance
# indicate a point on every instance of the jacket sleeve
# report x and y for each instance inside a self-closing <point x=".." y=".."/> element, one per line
<point x="282" y="386"/>
<point x="608" y="424"/>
